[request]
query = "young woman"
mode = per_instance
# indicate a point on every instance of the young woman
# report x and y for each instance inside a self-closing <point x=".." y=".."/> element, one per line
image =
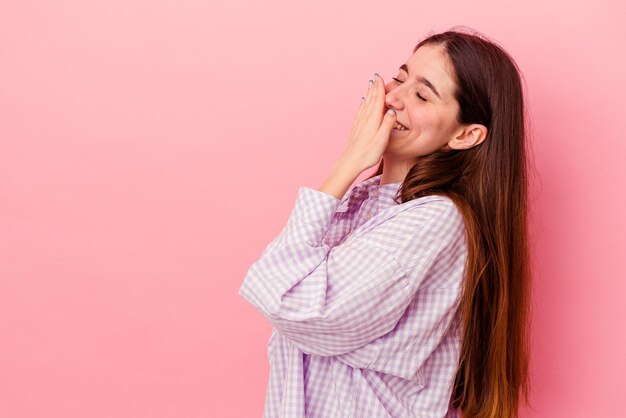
<point x="409" y="295"/>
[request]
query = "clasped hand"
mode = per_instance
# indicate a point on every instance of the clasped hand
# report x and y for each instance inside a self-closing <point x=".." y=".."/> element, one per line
<point x="368" y="139"/>
<point x="371" y="128"/>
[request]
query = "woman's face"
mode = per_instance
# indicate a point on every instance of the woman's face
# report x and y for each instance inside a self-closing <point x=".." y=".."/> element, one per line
<point x="430" y="117"/>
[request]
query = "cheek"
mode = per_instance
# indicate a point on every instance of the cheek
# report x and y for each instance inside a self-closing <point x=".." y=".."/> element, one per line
<point x="426" y="121"/>
<point x="438" y="121"/>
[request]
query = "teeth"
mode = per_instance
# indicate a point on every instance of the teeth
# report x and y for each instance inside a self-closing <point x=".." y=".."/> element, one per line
<point x="399" y="127"/>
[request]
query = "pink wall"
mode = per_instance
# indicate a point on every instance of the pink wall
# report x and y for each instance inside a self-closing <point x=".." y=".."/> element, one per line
<point x="150" y="150"/>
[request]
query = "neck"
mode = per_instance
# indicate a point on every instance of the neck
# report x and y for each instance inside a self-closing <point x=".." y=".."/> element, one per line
<point x="394" y="171"/>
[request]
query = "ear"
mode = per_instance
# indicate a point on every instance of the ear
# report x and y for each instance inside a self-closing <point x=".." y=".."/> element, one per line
<point x="469" y="136"/>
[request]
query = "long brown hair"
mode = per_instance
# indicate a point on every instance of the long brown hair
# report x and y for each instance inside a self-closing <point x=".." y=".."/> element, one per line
<point x="489" y="184"/>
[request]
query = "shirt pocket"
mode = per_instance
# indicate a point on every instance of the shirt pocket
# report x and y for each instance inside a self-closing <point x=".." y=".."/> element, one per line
<point x="406" y="388"/>
<point x="396" y="395"/>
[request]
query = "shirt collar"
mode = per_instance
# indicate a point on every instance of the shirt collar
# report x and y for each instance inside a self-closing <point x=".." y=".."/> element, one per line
<point x="371" y="187"/>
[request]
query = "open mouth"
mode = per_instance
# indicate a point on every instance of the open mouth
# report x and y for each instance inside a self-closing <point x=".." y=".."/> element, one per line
<point x="400" y="127"/>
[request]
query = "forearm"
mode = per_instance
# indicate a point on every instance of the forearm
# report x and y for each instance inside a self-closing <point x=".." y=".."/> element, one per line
<point x="341" y="178"/>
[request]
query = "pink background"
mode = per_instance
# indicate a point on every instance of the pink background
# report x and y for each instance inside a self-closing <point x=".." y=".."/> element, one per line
<point x="149" y="150"/>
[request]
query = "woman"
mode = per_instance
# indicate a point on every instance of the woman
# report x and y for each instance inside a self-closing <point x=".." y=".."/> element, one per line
<point x="409" y="295"/>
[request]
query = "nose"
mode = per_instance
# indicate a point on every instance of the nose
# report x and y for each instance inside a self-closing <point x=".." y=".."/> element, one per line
<point x="392" y="98"/>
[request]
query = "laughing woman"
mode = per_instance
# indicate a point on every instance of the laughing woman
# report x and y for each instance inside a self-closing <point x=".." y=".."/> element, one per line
<point x="409" y="295"/>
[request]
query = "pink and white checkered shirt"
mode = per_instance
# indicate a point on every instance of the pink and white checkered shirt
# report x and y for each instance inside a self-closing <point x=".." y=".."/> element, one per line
<point x="362" y="294"/>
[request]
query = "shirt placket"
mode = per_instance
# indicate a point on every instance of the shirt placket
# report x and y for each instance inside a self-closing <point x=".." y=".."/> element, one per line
<point x="371" y="204"/>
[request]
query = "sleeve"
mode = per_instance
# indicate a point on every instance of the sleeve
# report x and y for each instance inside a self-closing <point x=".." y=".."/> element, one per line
<point x="333" y="301"/>
<point x="427" y="323"/>
<point x="436" y="259"/>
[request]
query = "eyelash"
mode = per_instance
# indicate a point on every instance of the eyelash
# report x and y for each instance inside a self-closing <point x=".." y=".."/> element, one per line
<point x="400" y="82"/>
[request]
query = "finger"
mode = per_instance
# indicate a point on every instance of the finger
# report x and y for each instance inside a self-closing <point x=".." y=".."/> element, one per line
<point x="361" y="107"/>
<point x="377" y="91"/>
<point x="367" y="110"/>
<point x="386" y="126"/>
<point x="379" y="98"/>
<point x="375" y="100"/>
<point x="368" y="96"/>
<point x="358" y="118"/>
<point x="358" y="121"/>
<point x="381" y="139"/>
<point x="364" y="101"/>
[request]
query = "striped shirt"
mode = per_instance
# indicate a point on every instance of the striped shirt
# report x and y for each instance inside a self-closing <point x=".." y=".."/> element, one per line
<point x="362" y="294"/>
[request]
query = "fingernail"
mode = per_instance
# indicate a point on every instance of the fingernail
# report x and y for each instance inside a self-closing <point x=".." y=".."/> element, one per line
<point x="376" y="75"/>
<point x="391" y="112"/>
<point x="371" y="82"/>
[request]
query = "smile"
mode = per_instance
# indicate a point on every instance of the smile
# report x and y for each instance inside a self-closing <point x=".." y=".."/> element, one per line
<point x="400" y="127"/>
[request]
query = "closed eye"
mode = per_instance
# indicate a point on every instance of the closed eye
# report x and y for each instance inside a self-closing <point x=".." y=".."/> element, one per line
<point x="400" y="82"/>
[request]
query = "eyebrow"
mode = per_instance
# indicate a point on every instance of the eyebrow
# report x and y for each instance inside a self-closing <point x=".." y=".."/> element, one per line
<point x="422" y="80"/>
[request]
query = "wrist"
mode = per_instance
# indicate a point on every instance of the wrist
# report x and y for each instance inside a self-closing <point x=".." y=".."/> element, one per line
<point x="348" y="165"/>
<point x="341" y="178"/>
